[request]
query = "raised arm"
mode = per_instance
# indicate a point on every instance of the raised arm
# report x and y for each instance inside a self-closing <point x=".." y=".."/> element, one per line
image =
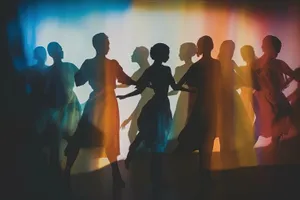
<point x="176" y="77"/>
<point x="287" y="82"/>
<point x="184" y="78"/>
<point x="141" y="84"/>
<point x="135" y="76"/>
<point x="284" y="68"/>
<point x="122" y="77"/>
<point x="80" y="75"/>
<point x="175" y="86"/>
<point x="122" y="86"/>
<point x="293" y="97"/>
<point x="239" y="81"/>
<point x="238" y="77"/>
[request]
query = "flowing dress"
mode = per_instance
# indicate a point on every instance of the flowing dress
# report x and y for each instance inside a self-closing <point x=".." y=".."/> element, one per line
<point x="63" y="108"/>
<point x="200" y="129"/>
<point x="236" y="127"/>
<point x="99" y="125"/>
<point x="145" y="96"/>
<point x="183" y="106"/>
<point x="274" y="109"/>
<point x="155" y="120"/>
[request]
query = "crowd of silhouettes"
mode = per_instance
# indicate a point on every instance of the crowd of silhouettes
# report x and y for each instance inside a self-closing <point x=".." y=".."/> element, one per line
<point x="208" y="106"/>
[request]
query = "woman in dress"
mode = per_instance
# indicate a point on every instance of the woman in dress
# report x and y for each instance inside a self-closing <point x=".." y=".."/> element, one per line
<point x="99" y="124"/>
<point x="200" y="130"/>
<point x="236" y="128"/>
<point x="248" y="55"/>
<point x="274" y="109"/>
<point x="294" y="99"/>
<point x="155" y="120"/>
<point x="139" y="56"/>
<point x="185" y="100"/>
<point x="63" y="109"/>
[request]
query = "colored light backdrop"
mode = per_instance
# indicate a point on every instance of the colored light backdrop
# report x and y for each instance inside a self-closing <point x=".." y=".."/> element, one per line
<point x="144" y="24"/>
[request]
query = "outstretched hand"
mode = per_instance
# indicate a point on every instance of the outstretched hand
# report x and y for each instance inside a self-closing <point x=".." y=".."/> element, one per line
<point x="124" y="123"/>
<point x="121" y="97"/>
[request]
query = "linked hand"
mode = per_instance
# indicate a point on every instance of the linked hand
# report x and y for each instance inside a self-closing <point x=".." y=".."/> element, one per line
<point x="124" y="123"/>
<point x="121" y="97"/>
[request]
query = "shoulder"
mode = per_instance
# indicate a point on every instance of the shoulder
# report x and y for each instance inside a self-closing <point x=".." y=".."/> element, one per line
<point x="281" y="62"/>
<point x="113" y="61"/>
<point x="178" y="68"/>
<point x="216" y="62"/>
<point x="167" y="69"/>
<point x="88" y="61"/>
<point x="70" y="65"/>
<point x="137" y="74"/>
<point x="194" y="66"/>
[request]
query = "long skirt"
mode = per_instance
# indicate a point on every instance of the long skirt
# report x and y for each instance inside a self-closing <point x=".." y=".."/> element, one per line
<point x="99" y="124"/>
<point x="154" y="123"/>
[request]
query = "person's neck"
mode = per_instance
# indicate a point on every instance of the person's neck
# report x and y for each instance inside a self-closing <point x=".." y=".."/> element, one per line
<point x="206" y="55"/>
<point x="157" y="62"/>
<point x="264" y="59"/>
<point x="188" y="62"/>
<point x="100" y="55"/>
<point x="57" y="61"/>
<point x="143" y="64"/>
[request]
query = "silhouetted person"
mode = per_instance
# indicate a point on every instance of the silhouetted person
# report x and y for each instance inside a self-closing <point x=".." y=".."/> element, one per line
<point x="155" y="120"/>
<point x="139" y="56"/>
<point x="236" y="128"/>
<point x="63" y="105"/>
<point x="35" y="74"/>
<point x="36" y="82"/>
<point x="185" y="100"/>
<point x="247" y="91"/>
<point x="274" y="109"/>
<point x="99" y="125"/>
<point x="248" y="55"/>
<point x="40" y="55"/>
<point x="200" y="130"/>
<point x="294" y="99"/>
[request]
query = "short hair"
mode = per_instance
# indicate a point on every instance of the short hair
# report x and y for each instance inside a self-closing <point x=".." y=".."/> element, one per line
<point x="159" y="51"/>
<point x="99" y="40"/>
<point x="40" y="51"/>
<point x="248" y="49"/>
<point x="206" y="43"/>
<point x="52" y="47"/>
<point x="191" y="48"/>
<point x="273" y="41"/>
<point x="227" y="45"/>
<point x="143" y="51"/>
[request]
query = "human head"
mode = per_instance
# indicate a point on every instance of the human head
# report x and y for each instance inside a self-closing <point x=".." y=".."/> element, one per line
<point x="160" y="52"/>
<point x="187" y="51"/>
<point x="101" y="43"/>
<point x="297" y="73"/>
<point x="140" y="54"/>
<point x="248" y="53"/>
<point x="55" y="51"/>
<point x="205" y="44"/>
<point x="271" y="46"/>
<point x="40" y="54"/>
<point x="226" y="50"/>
